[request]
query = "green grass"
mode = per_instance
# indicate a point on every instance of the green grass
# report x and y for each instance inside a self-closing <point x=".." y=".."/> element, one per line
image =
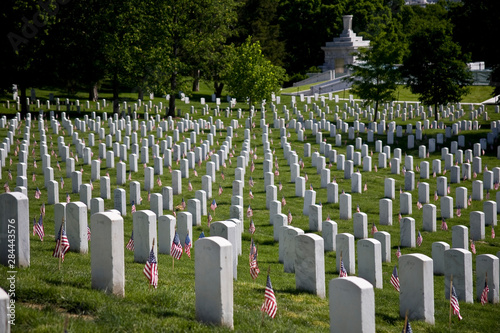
<point x="46" y="297"/>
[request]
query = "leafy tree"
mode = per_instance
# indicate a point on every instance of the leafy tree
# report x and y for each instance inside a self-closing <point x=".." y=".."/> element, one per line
<point x="187" y="30"/>
<point x="435" y="67"/>
<point x="27" y="25"/>
<point x="260" y="19"/>
<point x="375" y="75"/>
<point x="250" y="75"/>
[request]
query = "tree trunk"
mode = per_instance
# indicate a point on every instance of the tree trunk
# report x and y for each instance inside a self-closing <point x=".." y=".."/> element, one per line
<point x="173" y="88"/>
<point x="218" y="86"/>
<point x="24" y="106"/>
<point x="436" y="113"/>
<point x="376" y="109"/>
<point x="196" y="80"/>
<point x="94" y="93"/>
<point x="116" y="102"/>
<point x="140" y="94"/>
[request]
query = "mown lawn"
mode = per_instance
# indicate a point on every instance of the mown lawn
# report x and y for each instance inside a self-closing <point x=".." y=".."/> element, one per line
<point x="47" y="297"/>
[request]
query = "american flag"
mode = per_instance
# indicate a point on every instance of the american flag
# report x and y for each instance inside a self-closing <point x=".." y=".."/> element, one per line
<point x="187" y="246"/>
<point x="419" y="205"/>
<point x="311" y="187"/>
<point x="42" y="209"/>
<point x="133" y="207"/>
<point x="250" y="182"/>
<point x="492" y="232"/>
<point x="190" y="186"/>
<point x="283" y="201"/>
<point x="398" y="253"/>
<point x="195" y="172"/>
<point x="213" y="205"/>
<point x="220" y="189"/>
<point x="436" y="196"/>
<point x="252" y="167"/>
<point x="400" y="217"/>
<point x="183" y="204"/>
<point x="474" y="175"/>
<point x="270" y="306"/>
<point x="62" y="244"/>
<point x="459" y="211"/>
<point x="469" y="201"/>
<point x="89" y="234"/>
<point x="488" y="194"/>
<point x="472" y="246"/>
<point x="38" y="228"/>
<point x="68" y="198"/>
<point x="6" y="188"/>
<point x="374" y="228"/>
<point x="34" y="177"/>
<point x="454" y="303"/>
<point x="254" y="268"/>
<point x="149" y="196"/>
<point x="366" y="187"/>
<point x="484" y="294"/>
<point x="276" y="172"/>
<point x="158" y="181"/>
<point x="395" y="278"/>
<point x="202" y="235"/>
<point x="280" y="186"/>
<point x="444" y="225"/>
<point x="176" y="249"/>
<point x="357" y="209"/>
<point x="290" y="217"/>
<point x="343" y="272"/>
<point x="222" y="176"/>
<point x="328" y="218"/>
<point x="448" y="189"/>
<point x="407" y="328"/>
<point x="37" y="193"/>
<point x="306" y="177"/>
<point x="252" y="227"/>
<point x="151" y="269"/>
<point x="130" y="176"/>
<point x="249" y="211"/>
<point x="58" y="166"/>
<point x="209" y="219"/>
<point x="130" y="244"/>
<point x="250" y="194"/>
<point x="420" y="239"/>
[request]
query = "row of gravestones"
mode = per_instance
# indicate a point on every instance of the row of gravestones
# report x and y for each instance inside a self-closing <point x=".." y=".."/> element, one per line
<point x="307" y="251"/>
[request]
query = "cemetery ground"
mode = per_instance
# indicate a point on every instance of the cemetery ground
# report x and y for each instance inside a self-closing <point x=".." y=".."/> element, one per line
<point x="48" y="296"/>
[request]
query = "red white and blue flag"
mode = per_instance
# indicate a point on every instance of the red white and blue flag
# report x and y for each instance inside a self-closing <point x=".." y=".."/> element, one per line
<point x="151" y="269"/>
<point x="395" y="278"/>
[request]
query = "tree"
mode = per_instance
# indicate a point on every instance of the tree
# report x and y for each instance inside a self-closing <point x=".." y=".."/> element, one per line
<point x="188" y="30"/>
<point x="375" y="74"/>
<point x="249" y="74"/>
<point x="435" y="67"/>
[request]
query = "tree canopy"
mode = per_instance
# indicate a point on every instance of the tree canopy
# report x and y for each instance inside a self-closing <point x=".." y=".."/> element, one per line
<point x="250" y="75"/>
<point x="375" y="75"/>
<point x="435" y="68"/>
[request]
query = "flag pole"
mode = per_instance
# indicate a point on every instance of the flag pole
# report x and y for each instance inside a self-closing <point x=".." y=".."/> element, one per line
<point x="451" y="289"/>
<point x="152" y="249"/>
<point x="59" y="248"/>
<point x="263" y="312"/>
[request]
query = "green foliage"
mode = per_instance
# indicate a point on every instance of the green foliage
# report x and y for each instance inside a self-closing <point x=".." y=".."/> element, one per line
<point x="435" y="67"/>
<point x="375" y="75"/>
<point x="250" y="75"/>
